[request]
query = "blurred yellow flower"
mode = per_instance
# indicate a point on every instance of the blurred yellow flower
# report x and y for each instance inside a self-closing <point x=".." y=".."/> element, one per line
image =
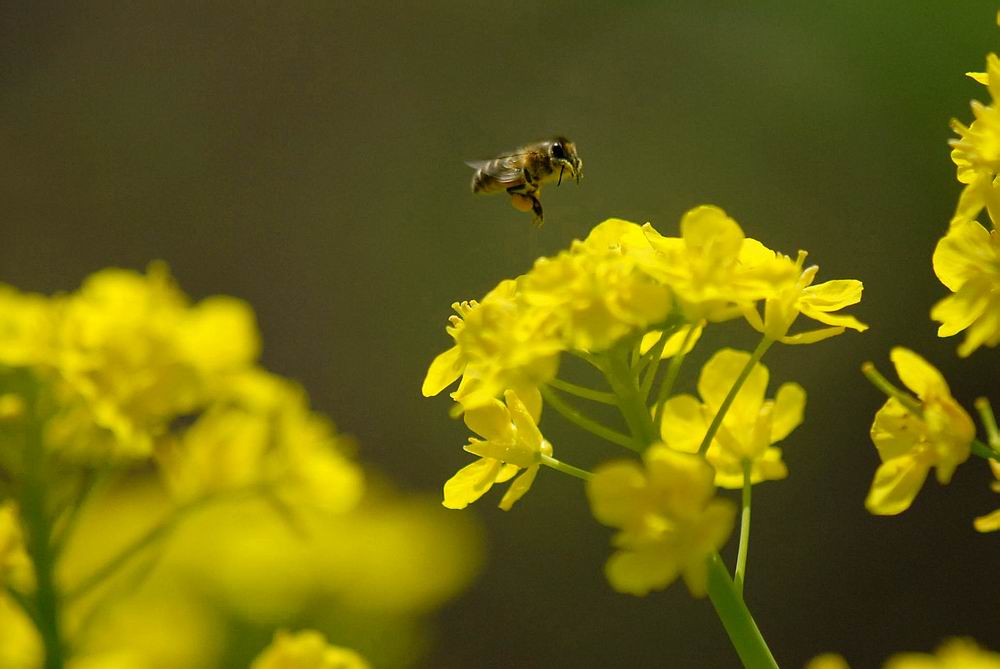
<point x="511" y="443"/>
<point x="938" y="434"/>
<point x="260" y="432"/>
<point x="967" y="261"/>
<point x="306" y="650"/>
<point x="991" y="521"/>
<point x="20" y="646"/>
<point x="751" y="425"/>
<point x="25" y="327"/>
<point x="783" y="307"/>
<point x="953" y="654"/>
<point x="15" y="566"/>
<point x="828" y="661"/>
<point x="670" y="520"/>
<point x="713" y="270"/>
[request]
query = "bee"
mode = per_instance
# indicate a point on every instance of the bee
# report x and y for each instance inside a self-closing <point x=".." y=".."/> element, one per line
<point x="523" y="172"/>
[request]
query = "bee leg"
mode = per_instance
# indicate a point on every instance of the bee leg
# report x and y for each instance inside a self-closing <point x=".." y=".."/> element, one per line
<point x="528" y="179"/>
<point x="536" y="207"/>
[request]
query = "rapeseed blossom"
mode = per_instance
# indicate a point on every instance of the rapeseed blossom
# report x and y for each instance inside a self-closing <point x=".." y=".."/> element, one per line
<point x="306" y="650"/>
<point x="15" y="566"/>
<point x="261" y="433"/>
<point x="511" y="443"/>
<point x="952" y="654"/>
<point x="750" y="428"/>
<point x="818" y="302"/>
<point x="669" y="518"/>
<point x="913" y="435"/>
<point x="967" y="261"/>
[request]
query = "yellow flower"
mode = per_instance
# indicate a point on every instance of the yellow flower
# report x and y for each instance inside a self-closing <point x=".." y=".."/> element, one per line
<point x="25" y="327"/>
<point x="991" y="521"/>
<point x="967" y="261"/>
<point x="511" y="443"/>
<point x="750" y="427"/>
<point x="15" y="566"/>
<point x="499" y="344"/>
<point x="976" y="152"/>
<point x="713" y="270"/>
<point x="910" y="443"/>
<point x="594" y="298"/>
<point x="20" y="645"/>
<point x="817" y="302"/>
<point x="953" y="654"/>
<point x="261" y="432"/>
<point x="828" y="661"/>
<point x="670" y="520"/>
<point x="306" y="650"/>
<point x="124" y="356"/>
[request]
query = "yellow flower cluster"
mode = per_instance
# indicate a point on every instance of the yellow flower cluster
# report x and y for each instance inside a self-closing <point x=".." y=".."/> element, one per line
<point x="670" y="520"/>
<point x="953" y="654"/>
<point x="127" y="354"/>
<point x="967" y="259"/>
<point x="626" y="279"/>
<point x="306" y="650"/>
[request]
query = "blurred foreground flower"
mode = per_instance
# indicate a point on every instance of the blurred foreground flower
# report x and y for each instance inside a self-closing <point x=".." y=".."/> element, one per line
<point x="952" y="654"/>
<point x="306" y="650"/>
<point x="153" y="477"/>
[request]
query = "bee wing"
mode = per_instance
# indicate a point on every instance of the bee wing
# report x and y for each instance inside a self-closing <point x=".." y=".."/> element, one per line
<point x="503" y="170"/>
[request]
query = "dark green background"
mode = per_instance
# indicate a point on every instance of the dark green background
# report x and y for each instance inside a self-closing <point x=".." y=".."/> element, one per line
<point x="308" y="157"/>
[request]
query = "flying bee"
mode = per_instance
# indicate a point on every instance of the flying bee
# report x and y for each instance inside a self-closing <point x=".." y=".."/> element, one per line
<point x="523" y="172"/>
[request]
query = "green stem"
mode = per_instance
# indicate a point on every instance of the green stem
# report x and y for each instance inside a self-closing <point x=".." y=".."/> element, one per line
<point x="630" y="401"/>
<point x="588" y="424"/>
<point x="671" y="378"/>
<point x="581" y="391"/>
<point x="561" y="466"/>
<point x="755" y="357"/>
<point x="741" y="556"/>
<point x="989" y="422"/>
<point x="883" y="384"/>
<point x="984" y="451"/>
<point x="39" y="543"/>
<point x="653" y="365"/>
<point x="110" y="567"/>
<point x="736" y="619"/>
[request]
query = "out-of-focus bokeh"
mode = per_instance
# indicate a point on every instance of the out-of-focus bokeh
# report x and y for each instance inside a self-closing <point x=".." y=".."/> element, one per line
<point x="308" y="157"/>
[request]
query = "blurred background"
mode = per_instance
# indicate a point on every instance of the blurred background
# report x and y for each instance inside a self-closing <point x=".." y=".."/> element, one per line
<point x="308" y="157"/>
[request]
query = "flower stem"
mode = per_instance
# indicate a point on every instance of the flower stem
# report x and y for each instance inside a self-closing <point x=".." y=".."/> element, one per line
<point x="581" y="391"/>
<point x="653" y="365"/>
<point x="984" y="451"/>
<point x="741" y="556"/>
<point x="630" y="400"/>
<point x="883" y="384"/>
<point x="989" y="422"/>
<point x="755" y="357"/>
<point x="588" y="424"/>
<point x="561" y="466"/>
<point x="39" y="544"/>
<point x="671" y="378"/>
<point x="736" y="619"/>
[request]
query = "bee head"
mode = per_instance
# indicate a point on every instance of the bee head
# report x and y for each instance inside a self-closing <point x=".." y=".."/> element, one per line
<point x="563" y="153"/>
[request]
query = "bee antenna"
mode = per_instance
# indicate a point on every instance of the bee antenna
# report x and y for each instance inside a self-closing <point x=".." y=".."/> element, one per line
<point x="561" y="168"/>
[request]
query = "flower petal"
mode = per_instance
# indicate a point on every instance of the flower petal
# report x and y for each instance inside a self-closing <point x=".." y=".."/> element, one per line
<point x="832" y="295"/>
<point x="684" y="424"/>
<point x="717" y="378"/>
<point x="917" y="374"/>
<point x="638" y="573"/>
<point x="443" y="371"/>
<point x="491" y="421"/>
<point x="812" y="336"/>
<point x="520" y="486"/>
<point x="615" y="492"/>
<point x="470" y="483"/>
<point x="789" y="405"/>
<point x="896" y="484"/>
